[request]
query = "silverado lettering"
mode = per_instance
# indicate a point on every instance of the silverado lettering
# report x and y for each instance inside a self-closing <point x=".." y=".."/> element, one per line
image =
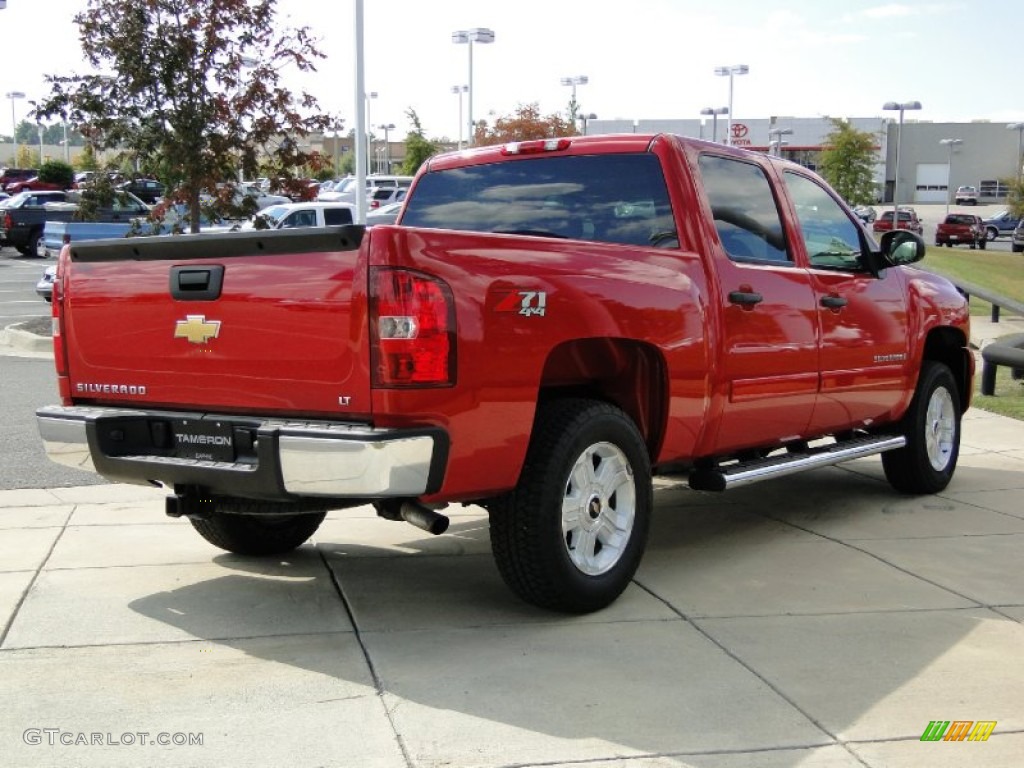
<point x="721" y="314"/>
<point x="110" y="389"/>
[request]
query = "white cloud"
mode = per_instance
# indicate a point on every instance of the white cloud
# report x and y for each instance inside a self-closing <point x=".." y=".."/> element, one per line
<point x="888" y="11"/>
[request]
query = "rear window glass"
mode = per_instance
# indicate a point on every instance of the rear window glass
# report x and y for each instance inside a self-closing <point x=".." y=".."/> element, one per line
<point x="954" y="218"/>
<point x="618" y="198"/>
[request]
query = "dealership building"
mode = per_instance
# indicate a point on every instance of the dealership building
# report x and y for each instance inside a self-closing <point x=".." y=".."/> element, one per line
<point x="931" y="169"/>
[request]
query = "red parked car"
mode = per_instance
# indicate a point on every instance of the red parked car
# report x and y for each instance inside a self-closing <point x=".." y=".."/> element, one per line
<point x="908" y="220"/>
<point x="33" y="184"/>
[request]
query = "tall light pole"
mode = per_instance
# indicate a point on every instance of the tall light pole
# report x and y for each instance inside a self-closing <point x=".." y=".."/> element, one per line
<point x="12" y="95"/>
<point x="1019" y="128"/>
<point x="949" y="143"/>
<point x="470" y="36"/>
<point x="458" y="90"/>
<point x="777" y="142"/>
<point x="730" y="71"/>
<point x="369" y="129"/>
<point x="714" y="112"/>
<point x="387" y="147"/>
<point x="902" y="106"/>
<point x="40" y="127"/>
<point x="572" y="82"/>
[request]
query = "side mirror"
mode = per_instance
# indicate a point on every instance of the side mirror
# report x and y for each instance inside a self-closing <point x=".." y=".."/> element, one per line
<point x="900" y="247"/>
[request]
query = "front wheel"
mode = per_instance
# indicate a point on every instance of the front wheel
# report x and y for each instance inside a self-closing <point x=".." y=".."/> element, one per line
<point x="991" y="233"/>
<point x="35" y="242"/>
<point x="253" y="528"/>
<point x="570" y="536"/>
<point x="932" y="428"/>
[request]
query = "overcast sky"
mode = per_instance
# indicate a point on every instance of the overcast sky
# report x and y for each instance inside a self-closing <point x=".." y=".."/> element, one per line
<point x="644" y="59"/>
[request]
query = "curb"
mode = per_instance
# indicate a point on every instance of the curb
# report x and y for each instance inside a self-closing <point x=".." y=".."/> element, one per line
<point x="18" y="341"/>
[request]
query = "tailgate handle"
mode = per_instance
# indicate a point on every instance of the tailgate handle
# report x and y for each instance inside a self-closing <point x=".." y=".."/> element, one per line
<point x="197" y="283"/>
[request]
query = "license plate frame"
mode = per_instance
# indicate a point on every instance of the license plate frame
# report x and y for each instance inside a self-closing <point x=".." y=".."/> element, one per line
<point x="204" y="440"/>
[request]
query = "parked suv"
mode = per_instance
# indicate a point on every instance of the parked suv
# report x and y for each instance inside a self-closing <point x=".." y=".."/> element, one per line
<point x="1017" y="244"/>
<point x="961" y="229"/>
<point x="1002" y="223"/>
<point x="966" y="195"/>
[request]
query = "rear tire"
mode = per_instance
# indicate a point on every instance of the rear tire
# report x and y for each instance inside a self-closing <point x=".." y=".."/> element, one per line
<point x="570" y="536"/>
<point x="932" y="428"/>
<point x="982" y="244"/>
<point x="255" y="528"/>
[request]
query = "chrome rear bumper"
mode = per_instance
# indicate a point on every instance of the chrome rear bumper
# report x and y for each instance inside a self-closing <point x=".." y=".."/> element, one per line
<point x="282" y="459"/>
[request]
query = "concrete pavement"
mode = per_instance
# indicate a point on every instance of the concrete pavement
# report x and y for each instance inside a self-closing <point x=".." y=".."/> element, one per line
<point x="820" y="620"/>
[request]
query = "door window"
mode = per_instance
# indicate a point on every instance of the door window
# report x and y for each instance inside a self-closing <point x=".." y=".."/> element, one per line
<point x="744" y="209"/>
<point x="832" y="239"/>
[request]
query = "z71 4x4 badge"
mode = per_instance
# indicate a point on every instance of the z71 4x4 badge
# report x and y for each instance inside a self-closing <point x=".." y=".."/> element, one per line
<point x="525" y="303"/>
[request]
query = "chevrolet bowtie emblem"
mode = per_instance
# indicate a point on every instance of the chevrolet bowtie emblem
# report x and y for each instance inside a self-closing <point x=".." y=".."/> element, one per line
<point x="197" y="329"/>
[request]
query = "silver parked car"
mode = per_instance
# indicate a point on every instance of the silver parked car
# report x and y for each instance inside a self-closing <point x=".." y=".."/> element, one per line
<point x="386" y="214"/>
<point x="1017" y="244"/>
<point x="45" y="285"/>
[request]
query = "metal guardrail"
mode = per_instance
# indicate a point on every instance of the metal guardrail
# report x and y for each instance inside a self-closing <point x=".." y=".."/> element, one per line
<point x="997" y="301"/>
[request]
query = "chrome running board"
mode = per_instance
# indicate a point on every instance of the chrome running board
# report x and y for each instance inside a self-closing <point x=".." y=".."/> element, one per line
<point x="738" y="474"/>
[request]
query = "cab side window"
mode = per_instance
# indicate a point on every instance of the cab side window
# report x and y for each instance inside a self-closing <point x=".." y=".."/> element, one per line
<point x="744" y="209"/>
<point x="300" y="219"/>
<point x="335" y="216"/>
<point x="832" y="239"/>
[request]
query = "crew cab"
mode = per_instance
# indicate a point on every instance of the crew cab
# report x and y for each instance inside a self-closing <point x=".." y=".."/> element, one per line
<point x="961" y="229"/>
<point x="907" y="220"/>
<point x="548" y="325"/>
<point x="23" y="224"/>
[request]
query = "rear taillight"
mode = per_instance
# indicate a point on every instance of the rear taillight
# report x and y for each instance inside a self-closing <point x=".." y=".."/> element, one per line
<point x="8" y="224"/>
<point x="60" y="358"/>
<point x="412" y="329"/>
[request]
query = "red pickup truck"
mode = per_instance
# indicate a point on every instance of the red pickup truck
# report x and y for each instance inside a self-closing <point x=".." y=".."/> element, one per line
<point x="961" y="228"/>
<point x="550" y="323"/>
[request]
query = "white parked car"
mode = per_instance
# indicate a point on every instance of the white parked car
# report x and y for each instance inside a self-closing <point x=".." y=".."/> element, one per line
<point x="345" y="189"/>
<point x="295" y="215"/>
<point x="966" y="195"/>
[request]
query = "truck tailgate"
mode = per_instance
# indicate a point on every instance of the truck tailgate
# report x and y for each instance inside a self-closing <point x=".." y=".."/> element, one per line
<point x="273" y="322"/>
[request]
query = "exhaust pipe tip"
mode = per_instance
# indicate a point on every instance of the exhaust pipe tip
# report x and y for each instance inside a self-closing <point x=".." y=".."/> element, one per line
<point x="414" y="513"/>
<point x="424" y="518"/>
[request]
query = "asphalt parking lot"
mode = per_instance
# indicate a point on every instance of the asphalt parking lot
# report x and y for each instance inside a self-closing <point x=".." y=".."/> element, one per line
<point x="819" y="621"/>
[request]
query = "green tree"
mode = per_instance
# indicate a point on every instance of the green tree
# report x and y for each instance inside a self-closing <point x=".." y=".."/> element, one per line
<point x="195" y="91"/>
<point x="26" y="157"/>
<point x="418" y="148"/>
<point x="523" y="124"/>
<point x="1015" y="196"/>
<point x="848" y="162"/>
<point x="87" y="159"/>
<point x="57" y="172"/>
